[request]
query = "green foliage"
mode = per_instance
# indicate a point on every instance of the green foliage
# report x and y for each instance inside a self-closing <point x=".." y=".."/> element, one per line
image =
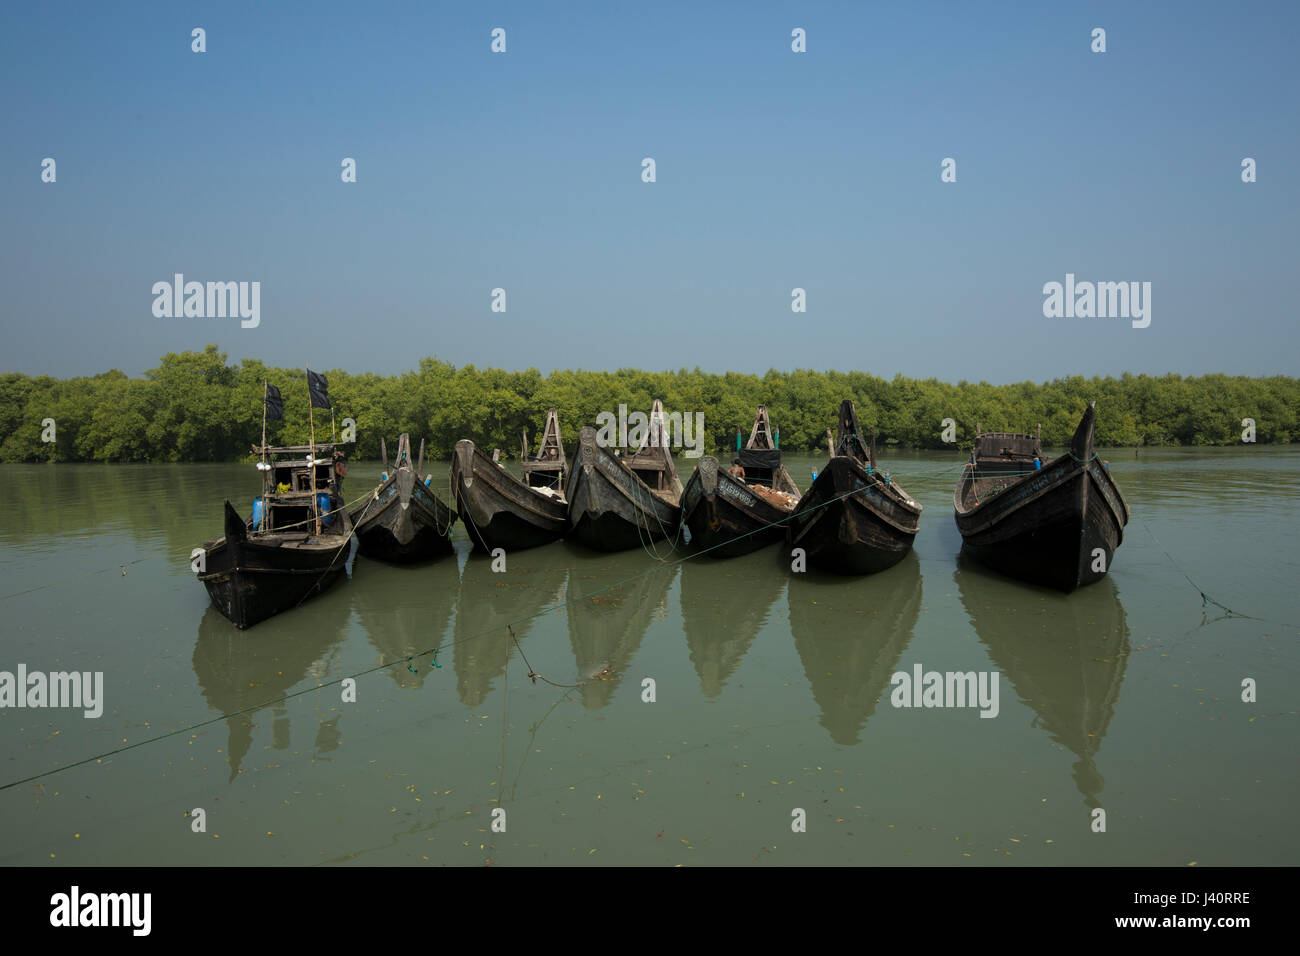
<point x="195" y="406"/>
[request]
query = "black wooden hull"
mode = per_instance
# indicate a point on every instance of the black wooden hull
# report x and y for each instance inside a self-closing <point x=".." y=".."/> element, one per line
<point x="252" y="578"/>
<point x="1058" y="527"/>
<point x="499" y="510"/>
<point x="403" y="522"/>
<point x="850" y="522"/>
<point x="610" y="508"/>
<point x="726" y="518"/>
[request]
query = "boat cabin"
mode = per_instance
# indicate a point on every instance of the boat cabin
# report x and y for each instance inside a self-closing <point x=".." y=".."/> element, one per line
<point x="301" y="490"/>
<point x="1007" y="445"/>
<point x="999" y="461"/>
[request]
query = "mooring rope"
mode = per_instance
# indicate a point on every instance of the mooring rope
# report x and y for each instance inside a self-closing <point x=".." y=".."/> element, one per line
<point x="532" y="674"/>
<point x="1205" y="598"/>
<point x="646" y="536"/>
<point x="347" y="543"/>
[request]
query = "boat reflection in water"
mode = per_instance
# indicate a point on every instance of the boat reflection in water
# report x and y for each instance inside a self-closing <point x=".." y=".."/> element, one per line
<point x="406" y="610"/>
<point x="490" y="600"/>
<point x="238" y="670"/>
<point x="606" y="626"/>
<point x="1064" y="656"/>
<point x="851" y="638"/>
<point x="722" y="612"/>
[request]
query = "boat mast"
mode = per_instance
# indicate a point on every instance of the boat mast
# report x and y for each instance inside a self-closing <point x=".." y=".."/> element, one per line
<point x="265" y="394"/>
<point x="311" y="461"/>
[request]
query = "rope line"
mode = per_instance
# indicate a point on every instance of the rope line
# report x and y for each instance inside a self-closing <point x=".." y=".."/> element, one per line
<point x="1205" y="598"/>
<point x="645" y="535"/>
<point x="87" y="574"/>
<point x="532" y="674"/>
<point x="347" y="543"/>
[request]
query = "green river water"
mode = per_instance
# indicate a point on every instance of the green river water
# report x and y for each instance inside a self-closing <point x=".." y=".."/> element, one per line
<point x="772" y="692"/>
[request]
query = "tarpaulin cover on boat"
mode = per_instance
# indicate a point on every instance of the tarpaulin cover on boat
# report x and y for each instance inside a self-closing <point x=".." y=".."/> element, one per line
<point x="759" y="458"/>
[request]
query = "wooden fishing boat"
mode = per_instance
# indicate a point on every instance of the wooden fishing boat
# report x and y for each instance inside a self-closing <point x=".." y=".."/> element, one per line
<point x="502" y="511"/>
<point x="730" y="513"/>
<point x="403" y="520"/>
<point x="618" y="502"/>
<point x="854" y="519"/>
<point x="1055" y="522"/>
<point x="293" y="547"/>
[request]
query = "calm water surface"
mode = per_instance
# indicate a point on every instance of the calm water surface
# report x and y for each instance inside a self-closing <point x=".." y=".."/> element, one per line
<point x="773" y="692"/>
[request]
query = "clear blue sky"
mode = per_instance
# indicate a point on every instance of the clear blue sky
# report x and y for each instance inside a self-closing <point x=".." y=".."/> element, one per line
<point x="775" y="170"/>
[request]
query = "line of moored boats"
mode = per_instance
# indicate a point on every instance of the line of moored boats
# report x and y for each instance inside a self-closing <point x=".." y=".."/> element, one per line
<point x="1051" y="521"/>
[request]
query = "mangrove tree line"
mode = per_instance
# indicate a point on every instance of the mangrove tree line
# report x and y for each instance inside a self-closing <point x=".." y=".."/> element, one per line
<point x="196" y="406"/>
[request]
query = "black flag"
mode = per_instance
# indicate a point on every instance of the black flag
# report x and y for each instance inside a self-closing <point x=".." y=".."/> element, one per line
<point x="274" y="404"/>
<point x="318" y="388"/>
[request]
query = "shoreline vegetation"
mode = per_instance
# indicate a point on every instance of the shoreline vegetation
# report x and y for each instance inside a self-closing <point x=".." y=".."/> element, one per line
<point x="195" y="406"/>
